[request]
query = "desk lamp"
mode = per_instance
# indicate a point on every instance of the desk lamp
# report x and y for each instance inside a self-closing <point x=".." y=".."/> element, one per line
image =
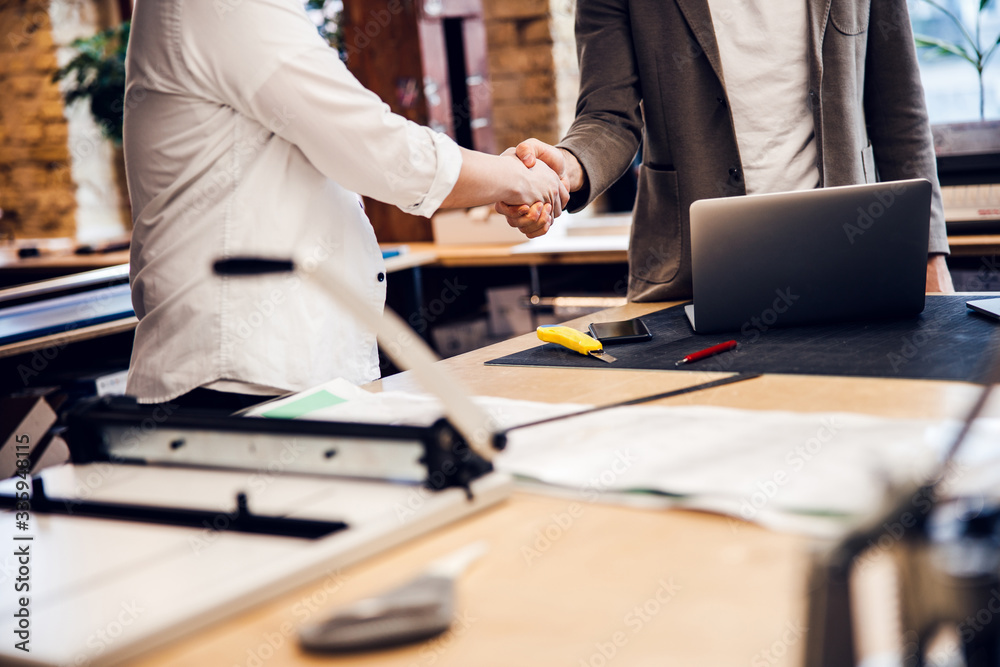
<point x="398" y="341"/>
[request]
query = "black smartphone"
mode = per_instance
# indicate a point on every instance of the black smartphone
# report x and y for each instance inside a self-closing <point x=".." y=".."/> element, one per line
<point x="626" y="331"/>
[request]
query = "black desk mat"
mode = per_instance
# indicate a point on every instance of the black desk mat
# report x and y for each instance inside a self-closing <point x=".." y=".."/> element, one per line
<point x="945" y="342"/>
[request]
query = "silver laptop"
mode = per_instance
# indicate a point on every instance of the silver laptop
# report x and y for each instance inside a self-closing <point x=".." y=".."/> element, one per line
<point x="827" y="255"/>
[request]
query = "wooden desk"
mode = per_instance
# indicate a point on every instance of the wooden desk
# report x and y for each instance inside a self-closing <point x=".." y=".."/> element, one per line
<point x="64" y="264"/>
<point x="969" y="246"/>
<point x="69" y="262"/>
<point x="422" y="254"/>
<point x="602" y="573"/>
<point x="502" y="255"/>
<point x="51" y="266"/>
<point x="58" y="340"/>
<point x="419" y="254"/>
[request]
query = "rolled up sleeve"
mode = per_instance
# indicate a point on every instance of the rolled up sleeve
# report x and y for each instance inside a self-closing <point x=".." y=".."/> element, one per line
<point x="447" y="167"/>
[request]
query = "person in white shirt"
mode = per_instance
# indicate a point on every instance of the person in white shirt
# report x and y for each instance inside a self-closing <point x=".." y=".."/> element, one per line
<point x="246" y="135"/>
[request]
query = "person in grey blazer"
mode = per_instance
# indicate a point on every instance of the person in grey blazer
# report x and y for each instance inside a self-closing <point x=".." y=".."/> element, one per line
<point x="658" y="69"/>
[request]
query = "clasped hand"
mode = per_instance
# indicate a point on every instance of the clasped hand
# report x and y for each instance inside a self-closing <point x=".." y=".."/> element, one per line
<point x="547" y="191"/>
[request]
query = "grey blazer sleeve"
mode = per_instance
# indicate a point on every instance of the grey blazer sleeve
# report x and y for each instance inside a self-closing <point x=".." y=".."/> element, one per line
<point x="605" y="135"/>
<point x="895" y="110"/>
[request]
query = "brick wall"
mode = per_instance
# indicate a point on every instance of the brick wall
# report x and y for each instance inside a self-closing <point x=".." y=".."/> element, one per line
<point x="532" y="79"/>
<point x="37" y="193"/>
<point x="567" y="69"/>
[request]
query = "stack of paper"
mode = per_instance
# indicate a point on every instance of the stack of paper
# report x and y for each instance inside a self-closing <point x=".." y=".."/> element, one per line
<point x="805" y="472"/>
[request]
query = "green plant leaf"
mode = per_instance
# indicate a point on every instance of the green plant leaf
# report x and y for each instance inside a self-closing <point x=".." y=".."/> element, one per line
<point x="940" y="47"/>
<point x="97" y="74"/>
<point x="989" y="53"/>
<point x="961" y="26"/>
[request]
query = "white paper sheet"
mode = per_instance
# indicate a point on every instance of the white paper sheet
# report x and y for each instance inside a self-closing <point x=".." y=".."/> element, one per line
<point x="803" y="472"/>
<point x="564" y="243"/>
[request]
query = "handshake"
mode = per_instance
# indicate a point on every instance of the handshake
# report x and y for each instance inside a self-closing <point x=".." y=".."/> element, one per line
<point x="542" y="192"/>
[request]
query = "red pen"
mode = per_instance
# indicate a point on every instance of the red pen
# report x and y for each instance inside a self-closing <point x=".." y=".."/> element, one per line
<point x="707" y="352"/>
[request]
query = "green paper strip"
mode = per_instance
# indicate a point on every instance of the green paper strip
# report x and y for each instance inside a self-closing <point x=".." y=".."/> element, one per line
<point x="321" y="399"/>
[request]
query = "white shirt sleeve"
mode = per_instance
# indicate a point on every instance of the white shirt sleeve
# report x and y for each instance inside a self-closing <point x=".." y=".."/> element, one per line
<point x="265" y="59"/>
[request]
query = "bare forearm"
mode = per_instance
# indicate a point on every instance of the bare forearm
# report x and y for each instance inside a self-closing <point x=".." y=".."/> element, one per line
<point x="485" y="179"/>
<point x="938" y="277"/>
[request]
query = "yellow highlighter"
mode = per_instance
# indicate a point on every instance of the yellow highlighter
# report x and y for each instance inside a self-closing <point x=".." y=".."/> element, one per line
<point x="574" y="340"/>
